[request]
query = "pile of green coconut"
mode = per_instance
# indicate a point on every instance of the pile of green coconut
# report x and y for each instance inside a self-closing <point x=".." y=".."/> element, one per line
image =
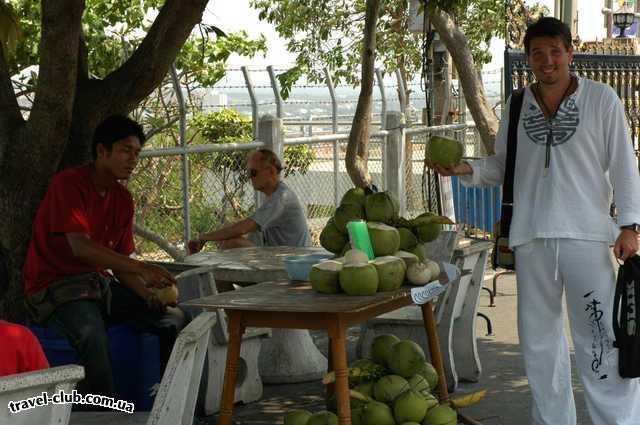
<point x="395" y="387"/>
<point x="398" y="246"/>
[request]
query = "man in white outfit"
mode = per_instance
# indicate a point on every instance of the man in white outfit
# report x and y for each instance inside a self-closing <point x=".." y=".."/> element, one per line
<point x="574" y="157"/>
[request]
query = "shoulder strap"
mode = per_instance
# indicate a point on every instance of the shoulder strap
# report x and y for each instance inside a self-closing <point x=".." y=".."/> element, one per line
<point x="512" y="145"/>
<point x="506" y="212"/>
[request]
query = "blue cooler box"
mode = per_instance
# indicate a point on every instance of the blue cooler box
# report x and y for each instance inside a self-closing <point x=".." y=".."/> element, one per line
<point x="135" y="361"/>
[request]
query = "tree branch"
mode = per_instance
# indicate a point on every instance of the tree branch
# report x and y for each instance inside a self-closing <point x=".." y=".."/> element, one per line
<point x="150" y="62"/>
<point x="458" y="47"/>
<point x="357" y="148"/>
<point x="175" y="253"/>
<point x="157" y="130"/>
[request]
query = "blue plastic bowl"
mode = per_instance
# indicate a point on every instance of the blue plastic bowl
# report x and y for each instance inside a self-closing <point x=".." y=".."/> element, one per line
<point x="299" y="266"/>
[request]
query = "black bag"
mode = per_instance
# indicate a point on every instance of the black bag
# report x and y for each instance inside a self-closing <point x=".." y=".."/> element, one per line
<point x="503" y="256"/>
<point x="626" y="318"/>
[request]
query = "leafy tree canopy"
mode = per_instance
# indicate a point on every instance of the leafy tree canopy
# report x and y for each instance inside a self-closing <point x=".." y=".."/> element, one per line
<point x="113" y="29"/>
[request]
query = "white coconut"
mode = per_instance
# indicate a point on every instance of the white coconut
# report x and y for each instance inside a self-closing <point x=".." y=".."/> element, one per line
<point x="355" y="256"/>
<point x="434" y="268"/>
<point x="418" y="274"/>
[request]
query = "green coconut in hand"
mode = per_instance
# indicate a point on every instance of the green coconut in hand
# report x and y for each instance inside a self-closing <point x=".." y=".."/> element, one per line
<point x="444" y="151"/>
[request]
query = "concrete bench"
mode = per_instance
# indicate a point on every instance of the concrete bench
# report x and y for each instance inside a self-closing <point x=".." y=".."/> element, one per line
<point x="196" y="282"/>
<point x="32" y="384"/>
<point x="455" y="312"/>
<point x="177" y="395"/>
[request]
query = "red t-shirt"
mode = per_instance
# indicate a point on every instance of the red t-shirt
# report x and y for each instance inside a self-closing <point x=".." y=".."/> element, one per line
<point x="21" y="351"/>
<point x="73" y="205"/>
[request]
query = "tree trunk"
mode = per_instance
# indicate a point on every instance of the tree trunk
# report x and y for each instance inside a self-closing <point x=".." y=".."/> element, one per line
<point x="358" y="146"/>
<point x="458" y="47"/>
<point x="67" y="107"/>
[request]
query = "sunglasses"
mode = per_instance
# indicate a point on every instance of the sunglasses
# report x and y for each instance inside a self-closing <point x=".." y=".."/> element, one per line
<point x="253" y="171"/>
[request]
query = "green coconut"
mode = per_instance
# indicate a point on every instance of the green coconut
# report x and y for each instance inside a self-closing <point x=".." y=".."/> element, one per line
<point x="420" y="384"/>
<point x="407" y="239"/>
<point x="381" y="348"/>
<point x="297" y="417"/>
<point x="377" y="413"/>
<point x="323" y="418"/>
<point x="407" y="358"/>
<point x="444" y="151"/>
<point x="410" y="406"/>
<point x="389" y="387"/>
<point x="428" y="232"/>
<point x="355" y="195"/>
<point x="346" y="213"/>
<point x="419" y="251"/>
<point x="427" y="371"/>
<point x="355" y="256"/>
<point x="409" y="423"/>
<point x="384" y="239"/>
<point x="356" y="415"/>
<point x="441" y="415"/>
<point x="407" y="257"/>
<point x="359" y="279"/>
<point x="382" y="207"/>
<point x="391" y="271"/>
<point x="331" y="238"/>
<point x="324" y="277"/>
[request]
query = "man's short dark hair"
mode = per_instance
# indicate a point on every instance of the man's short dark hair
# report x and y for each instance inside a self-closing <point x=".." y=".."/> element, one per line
<point x="547" y="27"/>
<point x="113" y="129"/>
<point x="269" y="157"/>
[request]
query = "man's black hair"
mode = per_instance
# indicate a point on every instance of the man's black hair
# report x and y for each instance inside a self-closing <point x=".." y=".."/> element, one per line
<point x="547" y="27"/>
<point x="114" y="128"/>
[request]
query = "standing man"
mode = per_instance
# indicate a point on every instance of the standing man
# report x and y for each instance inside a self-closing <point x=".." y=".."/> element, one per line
<point x="574" y="156"/>
<point x="280" y="221"/>
<point x="79" y="275"/>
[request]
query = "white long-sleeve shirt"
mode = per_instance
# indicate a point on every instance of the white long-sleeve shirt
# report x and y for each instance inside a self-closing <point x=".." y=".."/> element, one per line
<point x="592" y="161"/>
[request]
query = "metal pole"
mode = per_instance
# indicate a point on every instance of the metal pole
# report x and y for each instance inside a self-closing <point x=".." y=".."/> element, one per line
<point x="185" y="158"/>
<point x="336" y="172"/>
<point x="254" y="101"/>
<point x="276" y="90"/>
<point x="334" y="102"/>
<point x="383" y="111"/>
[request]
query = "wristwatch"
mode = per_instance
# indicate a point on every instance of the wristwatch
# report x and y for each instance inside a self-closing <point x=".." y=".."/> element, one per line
<point x="635" y="227"/>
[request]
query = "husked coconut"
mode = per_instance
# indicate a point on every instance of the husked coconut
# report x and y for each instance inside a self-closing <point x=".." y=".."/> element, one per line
<point x="418" y="273"/>
<point x="434" y="268"/>
<point x="355" y="256"/>
<point x="391" y="271"/>
<point x="324" y="277"/>
<point x="384" y="239"/>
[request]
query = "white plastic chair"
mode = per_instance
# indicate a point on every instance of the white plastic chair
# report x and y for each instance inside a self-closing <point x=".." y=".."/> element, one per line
<point x="31" y="384"/>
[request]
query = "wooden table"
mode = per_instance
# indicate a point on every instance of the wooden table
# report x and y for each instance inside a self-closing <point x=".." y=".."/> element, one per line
<point x="283" y="304"/>
<point x="289" y="356"/>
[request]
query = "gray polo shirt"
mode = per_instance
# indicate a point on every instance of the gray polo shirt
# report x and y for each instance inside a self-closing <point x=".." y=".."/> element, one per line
<point x="282" y="220"/>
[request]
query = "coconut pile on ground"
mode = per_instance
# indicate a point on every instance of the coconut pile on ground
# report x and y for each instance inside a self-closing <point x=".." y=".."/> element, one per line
<point x="395" y="387"/>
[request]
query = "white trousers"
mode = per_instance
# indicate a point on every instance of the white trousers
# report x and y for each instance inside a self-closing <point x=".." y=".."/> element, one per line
<point x="585" y="271"/>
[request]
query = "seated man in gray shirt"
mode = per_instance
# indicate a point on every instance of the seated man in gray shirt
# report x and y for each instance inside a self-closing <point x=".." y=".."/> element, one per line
<point x="280" y="221"/>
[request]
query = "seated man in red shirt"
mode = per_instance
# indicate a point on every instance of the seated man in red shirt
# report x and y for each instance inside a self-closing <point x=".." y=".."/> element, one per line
<point x="79" y="276"/>
<point x="21" y="351"/>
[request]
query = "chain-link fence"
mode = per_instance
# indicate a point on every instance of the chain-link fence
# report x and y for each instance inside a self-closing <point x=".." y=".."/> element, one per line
<point x="218" y="190"/>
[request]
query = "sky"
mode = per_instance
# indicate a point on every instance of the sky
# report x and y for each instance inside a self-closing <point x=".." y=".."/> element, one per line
<point x="238" y="15"/>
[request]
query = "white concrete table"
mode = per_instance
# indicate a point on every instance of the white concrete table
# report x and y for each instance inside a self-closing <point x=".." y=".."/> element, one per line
<point x="289" y="356"/>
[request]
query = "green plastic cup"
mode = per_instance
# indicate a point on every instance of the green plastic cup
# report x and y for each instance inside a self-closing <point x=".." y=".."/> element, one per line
<point x="359" y="237"/>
